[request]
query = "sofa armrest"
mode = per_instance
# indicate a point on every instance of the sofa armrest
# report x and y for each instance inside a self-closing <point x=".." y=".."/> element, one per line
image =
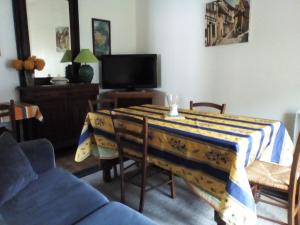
<point x="40" y="154"/>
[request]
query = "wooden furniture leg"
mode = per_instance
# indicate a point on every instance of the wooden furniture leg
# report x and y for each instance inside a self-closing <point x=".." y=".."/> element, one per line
<point x="143" y="187"/>
<point x="106" y="167"/>
<point x="18" y="130"/>
<point x="122" y="179"/>
<point x="172" y="185"/>
<point x="218" y="220"/>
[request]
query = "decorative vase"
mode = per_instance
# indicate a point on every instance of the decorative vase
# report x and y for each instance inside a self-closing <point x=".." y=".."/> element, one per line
<point x="86" y="73"/>
<point x="29" y="78"/>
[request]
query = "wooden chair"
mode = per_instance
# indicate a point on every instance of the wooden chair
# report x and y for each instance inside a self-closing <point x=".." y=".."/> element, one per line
<point x="279" y="178"/>
<point x="133" y="144"/>
<point x="106" y="165"/>
<point x="8" y="110"/>
<point x="101" y="103"/>
<point x="208" y="104"/>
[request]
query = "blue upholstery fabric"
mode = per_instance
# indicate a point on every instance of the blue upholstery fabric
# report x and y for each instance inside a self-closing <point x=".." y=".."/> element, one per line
<point x="40" y="153"/>
<point x="56" y="198"/>
<point x="59" y="198"/>
<point x="116" y="213"/>
<point x="15" y="169"/>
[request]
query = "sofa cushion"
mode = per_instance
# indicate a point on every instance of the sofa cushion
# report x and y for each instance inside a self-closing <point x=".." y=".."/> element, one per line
<point x="116" y="213"/>
<point x="15" y="169"/>
<point x="56" y="198"/>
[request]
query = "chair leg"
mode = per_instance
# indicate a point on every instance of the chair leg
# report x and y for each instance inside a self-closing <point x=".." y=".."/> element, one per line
<point x="297" y="218"/>
<point x="143" y="187"/>
<point x="256" y="193"/>
<point x="291" y="214"/>
<point x="115" y="171"/>
<point x="172" y="185"/>
<point x="292" y="220"/>
<point x="122" y="180"/>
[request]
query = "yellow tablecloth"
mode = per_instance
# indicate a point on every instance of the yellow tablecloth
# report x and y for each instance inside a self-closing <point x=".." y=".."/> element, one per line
<point x="210" y="151"/>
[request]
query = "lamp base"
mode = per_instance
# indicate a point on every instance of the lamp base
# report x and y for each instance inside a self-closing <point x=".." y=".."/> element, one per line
<point x="69" y="73"/>
<point x="85" y="73"/>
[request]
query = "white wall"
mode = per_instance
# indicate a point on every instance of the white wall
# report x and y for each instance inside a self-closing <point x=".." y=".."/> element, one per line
<point x="44" y="16"/>
<point x="260" y="78"/>
<point x="9" y="79"/>
<point x="122" y="16"/>
<point x="173" y="29"/>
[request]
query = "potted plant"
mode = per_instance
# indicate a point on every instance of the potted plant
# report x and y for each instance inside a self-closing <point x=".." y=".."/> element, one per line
<point x="29" y="65"/>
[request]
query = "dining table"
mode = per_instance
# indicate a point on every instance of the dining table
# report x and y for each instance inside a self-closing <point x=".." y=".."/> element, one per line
<point x="210" y="151"/>
<point x="23" y="112"/>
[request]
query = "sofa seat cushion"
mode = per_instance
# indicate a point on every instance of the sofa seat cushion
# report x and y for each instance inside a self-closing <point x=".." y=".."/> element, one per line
<point x="56" y="198"/>
<point x="116" y="213"/>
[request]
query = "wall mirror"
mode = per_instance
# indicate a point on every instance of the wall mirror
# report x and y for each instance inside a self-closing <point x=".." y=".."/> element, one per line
<point x="46" y="29"/>
<point x="49" y="34"/>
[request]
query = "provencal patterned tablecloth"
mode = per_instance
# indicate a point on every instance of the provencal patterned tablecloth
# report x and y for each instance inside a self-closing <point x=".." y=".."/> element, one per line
<point x="24" y="111"/>
<point x="210" y="151"/>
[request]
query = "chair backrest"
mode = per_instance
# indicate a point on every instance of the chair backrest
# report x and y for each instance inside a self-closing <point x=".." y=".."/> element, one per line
<point x="8" y="110"/>
<point x="101" y="103"/>
<point x="131" y="133"/>
<point x="294" y="185"/>
<point x="208" y="104"/>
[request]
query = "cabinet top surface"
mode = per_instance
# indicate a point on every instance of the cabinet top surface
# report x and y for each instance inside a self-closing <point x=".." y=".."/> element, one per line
<point x="51" y="87"/>
<point x="123" y="93"/>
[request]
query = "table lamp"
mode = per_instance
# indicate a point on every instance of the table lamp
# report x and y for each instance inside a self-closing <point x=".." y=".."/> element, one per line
<point x="86" y="72"/>
<point x="67" y="57"/>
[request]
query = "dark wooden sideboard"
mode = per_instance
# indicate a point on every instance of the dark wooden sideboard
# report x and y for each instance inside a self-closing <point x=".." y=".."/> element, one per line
<point x="64" y="109"/>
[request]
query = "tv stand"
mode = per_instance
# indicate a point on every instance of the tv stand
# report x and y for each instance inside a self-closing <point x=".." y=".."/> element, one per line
<point x="130" y="98"/>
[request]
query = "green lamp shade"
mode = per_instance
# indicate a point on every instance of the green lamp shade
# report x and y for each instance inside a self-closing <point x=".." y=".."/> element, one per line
<point x="86" y="73"/>
<point x="85" y="56"/>
<point x="67" y="57"/>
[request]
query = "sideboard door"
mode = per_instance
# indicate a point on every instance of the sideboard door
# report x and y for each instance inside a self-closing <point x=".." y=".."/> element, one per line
<point x="64" y="109"/>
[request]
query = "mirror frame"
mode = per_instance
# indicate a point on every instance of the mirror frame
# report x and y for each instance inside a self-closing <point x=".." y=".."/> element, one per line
<point x="22" y="35"/>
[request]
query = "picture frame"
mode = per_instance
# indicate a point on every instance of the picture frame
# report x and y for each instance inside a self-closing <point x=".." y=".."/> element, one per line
<point x="101" y="37"/>
<point x="227" y="22"/>
<point x="62" y="39"/>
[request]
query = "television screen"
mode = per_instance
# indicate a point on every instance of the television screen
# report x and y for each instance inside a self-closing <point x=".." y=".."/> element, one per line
<point x="129" y="71"/>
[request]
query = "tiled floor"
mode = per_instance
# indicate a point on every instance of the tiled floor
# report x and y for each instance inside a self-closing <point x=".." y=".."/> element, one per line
<point x="185" y="209"/>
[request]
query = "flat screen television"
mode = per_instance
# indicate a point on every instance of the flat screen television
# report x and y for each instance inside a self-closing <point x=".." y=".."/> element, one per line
<point x="129" y="71"/>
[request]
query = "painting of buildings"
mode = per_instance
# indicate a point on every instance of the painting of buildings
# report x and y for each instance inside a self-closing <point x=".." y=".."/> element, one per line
<point x="227" y="22"/>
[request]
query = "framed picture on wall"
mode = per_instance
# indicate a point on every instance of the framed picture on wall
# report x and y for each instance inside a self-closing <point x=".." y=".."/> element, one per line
<point x="227" y="22"/>
<point x="101" y="37"/>
<point x="62" y="39"/>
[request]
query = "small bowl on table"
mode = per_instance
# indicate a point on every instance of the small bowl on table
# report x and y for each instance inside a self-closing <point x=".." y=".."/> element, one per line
<point x="59" y="81"/>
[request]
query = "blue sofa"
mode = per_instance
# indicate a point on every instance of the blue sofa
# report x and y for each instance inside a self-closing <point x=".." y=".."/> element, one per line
<point x="59" y="198"/>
